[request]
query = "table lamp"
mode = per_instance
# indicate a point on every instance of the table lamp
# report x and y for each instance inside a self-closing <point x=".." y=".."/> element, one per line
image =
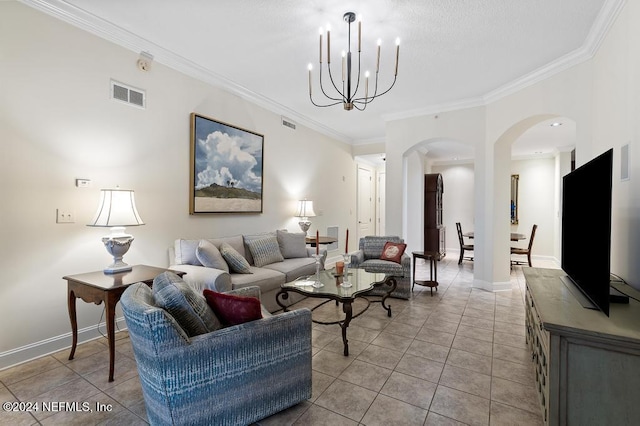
<point x="304" y="212"/>
<point x="117" y="210"/>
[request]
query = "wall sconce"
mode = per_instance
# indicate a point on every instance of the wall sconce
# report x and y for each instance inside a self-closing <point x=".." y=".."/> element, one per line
<point x="304" y="212"/>
<point x="117" y="210"/>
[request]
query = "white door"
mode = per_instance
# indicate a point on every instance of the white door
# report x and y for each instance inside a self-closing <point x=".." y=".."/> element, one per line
<point x="380" y="203"/>
<point x="365" y="202"/>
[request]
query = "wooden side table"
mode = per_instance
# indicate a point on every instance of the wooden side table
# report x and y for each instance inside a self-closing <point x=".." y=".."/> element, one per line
<point x="432" y="256"/>
<point x="98" y="287"/>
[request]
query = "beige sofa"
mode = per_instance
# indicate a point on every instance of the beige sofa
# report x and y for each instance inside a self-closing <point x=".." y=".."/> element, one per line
<point x="297" y="261"/>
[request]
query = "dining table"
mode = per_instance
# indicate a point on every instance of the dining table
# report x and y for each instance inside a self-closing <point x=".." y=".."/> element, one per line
<point x="515" y="236"/>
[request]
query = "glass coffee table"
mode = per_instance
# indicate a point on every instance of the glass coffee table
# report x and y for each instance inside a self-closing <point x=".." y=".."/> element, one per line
<point x="332" y="289"/>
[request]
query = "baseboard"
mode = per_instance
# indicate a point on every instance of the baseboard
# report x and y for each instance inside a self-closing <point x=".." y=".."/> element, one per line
<point x="55" y="344"/>
<point x="492" y="287"/>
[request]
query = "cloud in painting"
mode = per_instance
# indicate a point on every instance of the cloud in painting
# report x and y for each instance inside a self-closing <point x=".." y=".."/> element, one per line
<point x="224" y="159"/>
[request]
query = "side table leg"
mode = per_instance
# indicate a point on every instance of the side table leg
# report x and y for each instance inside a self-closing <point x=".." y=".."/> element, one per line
<point x="111" y="333"/>
<point x="348" y="310"/>
<point x="71" y="304"/>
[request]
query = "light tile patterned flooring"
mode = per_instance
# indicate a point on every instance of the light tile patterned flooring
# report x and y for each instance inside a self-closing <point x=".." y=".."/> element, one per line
<point x="457" y="357"/>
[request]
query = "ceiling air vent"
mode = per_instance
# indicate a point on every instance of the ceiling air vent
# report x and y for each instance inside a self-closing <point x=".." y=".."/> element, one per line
<point x="288" y="123"/>
<point x="130" y="95"/>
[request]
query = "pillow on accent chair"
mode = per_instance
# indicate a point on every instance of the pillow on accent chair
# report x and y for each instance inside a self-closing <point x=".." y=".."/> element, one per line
<point x="186" y="306"/>
<point x="292" y="244"/>
<point x="264" y="250"/>
<point x="237" y="263"/>
<point x="231" y="309"/>
<point x="393" y="251"/>
<point x="209" y="255"/>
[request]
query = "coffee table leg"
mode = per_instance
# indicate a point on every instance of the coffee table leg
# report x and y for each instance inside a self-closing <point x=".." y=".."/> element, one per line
<point x="284" y="295"/>
<point x="392" y="283"/>
<point x="348" y="310"/>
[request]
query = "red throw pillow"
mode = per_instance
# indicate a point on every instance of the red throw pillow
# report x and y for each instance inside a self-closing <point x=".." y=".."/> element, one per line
<point x="393" y="251"/>
<point x="231" y="309"/>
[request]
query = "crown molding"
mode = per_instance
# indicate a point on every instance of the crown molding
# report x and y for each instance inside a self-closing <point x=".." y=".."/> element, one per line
<point x="101" y="28"/>
<point x="597" y="34"/>
<point x="106" y="30"/>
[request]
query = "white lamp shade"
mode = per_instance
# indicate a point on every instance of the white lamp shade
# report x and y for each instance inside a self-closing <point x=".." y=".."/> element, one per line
<point x="305" y="209"/>
<point x="117" y="207"/>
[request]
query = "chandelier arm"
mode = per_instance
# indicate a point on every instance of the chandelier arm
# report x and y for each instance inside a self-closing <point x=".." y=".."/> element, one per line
<point x="338" y="100"/>
<point x="334" y="86"/>
<point x="371" y="98"/>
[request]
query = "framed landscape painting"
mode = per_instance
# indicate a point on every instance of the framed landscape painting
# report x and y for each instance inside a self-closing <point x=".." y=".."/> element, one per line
<point x="226" y="168"/>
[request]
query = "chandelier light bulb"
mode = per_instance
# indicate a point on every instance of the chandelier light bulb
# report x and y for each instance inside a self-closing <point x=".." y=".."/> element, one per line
<point x="397" y="41"/>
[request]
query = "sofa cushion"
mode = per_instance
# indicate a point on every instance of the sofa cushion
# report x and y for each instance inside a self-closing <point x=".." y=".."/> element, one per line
<point x="292" y="244"/>
<point x="186" y="306"/>
<point x="266" y="279"/>
<point x="185" y="252"/>
<point x="236" y="262"/>
<point x="232" y="309"/>
<point x="294" y="268"/>
<point x="264" y="250"/>
<point x="209" y="255"/>
<point x="393" y="251"/>
<point x="247" y="238"/>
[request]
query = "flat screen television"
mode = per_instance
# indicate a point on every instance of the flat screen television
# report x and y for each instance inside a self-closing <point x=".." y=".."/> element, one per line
<point x="586" y="228"/>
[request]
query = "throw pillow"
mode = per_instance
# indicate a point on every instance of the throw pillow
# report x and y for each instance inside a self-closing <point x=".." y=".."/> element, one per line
<point x="236" y="262"/>
<point x="264" y="250"/>
<point x="231" y="309"/>
<point x="186" y="306"/>
<point x="209" y="255"/>
<point x="292" y="244"/>
<point x="393" y="251"/>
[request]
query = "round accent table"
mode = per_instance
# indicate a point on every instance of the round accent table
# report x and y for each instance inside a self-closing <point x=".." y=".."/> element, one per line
<point x="432" y="257"/>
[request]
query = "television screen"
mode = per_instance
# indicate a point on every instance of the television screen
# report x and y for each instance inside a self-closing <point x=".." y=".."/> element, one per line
<point x="586" y="228"/>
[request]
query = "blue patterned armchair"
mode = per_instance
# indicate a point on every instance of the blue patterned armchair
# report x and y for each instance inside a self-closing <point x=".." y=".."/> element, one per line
<point x="368" y="258"/>
<point x="232" y="376"/>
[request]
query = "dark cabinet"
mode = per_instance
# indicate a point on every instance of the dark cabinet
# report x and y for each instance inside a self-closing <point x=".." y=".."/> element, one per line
<point x="434" y="230"/>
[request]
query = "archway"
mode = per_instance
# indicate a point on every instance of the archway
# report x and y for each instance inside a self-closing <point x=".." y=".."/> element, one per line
<point x="419" y="159"/>
<point x="493" y="271"/>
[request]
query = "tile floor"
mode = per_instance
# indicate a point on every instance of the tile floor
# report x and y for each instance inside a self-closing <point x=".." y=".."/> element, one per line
<point x="457" y="357"/>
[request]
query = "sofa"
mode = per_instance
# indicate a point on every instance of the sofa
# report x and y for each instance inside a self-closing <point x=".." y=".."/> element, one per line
<point x="196" y="369"/>
<point x="368" y="257"/>
<point x="272" y="258"/>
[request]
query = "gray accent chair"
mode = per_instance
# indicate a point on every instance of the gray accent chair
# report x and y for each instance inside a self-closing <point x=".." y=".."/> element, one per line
<point x="232" y="376"/>
<point x="368" y="258"/>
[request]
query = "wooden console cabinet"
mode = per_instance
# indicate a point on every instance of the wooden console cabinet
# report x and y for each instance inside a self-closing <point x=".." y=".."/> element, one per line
<point x="434" y="230"/>
<point x="587" y="365"/>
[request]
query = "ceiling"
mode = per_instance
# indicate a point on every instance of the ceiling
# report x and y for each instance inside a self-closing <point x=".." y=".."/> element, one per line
<point x="453" y="54"/>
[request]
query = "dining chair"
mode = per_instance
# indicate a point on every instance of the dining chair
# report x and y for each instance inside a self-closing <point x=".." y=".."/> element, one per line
<point x="525" y="251"/>
<point x="463" y="246"/>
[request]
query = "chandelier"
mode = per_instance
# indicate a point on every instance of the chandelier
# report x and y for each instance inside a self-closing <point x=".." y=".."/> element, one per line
<point x="349" y="96"/>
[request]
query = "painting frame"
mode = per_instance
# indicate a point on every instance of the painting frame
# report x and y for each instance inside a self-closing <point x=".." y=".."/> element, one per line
<point x="226" y="168"/>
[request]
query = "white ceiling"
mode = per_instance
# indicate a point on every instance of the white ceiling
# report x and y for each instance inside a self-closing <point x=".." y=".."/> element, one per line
<point x="453" y="53"/>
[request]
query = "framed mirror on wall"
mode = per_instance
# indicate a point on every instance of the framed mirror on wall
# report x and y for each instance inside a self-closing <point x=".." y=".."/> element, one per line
<point x="514" y="199"/>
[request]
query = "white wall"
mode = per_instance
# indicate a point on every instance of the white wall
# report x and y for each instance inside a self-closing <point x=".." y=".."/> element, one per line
<point x="536" y="196"/>
<point x="57" y="124"/>
<point x="602" y="95"/>
<point x="458" y="200"/>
